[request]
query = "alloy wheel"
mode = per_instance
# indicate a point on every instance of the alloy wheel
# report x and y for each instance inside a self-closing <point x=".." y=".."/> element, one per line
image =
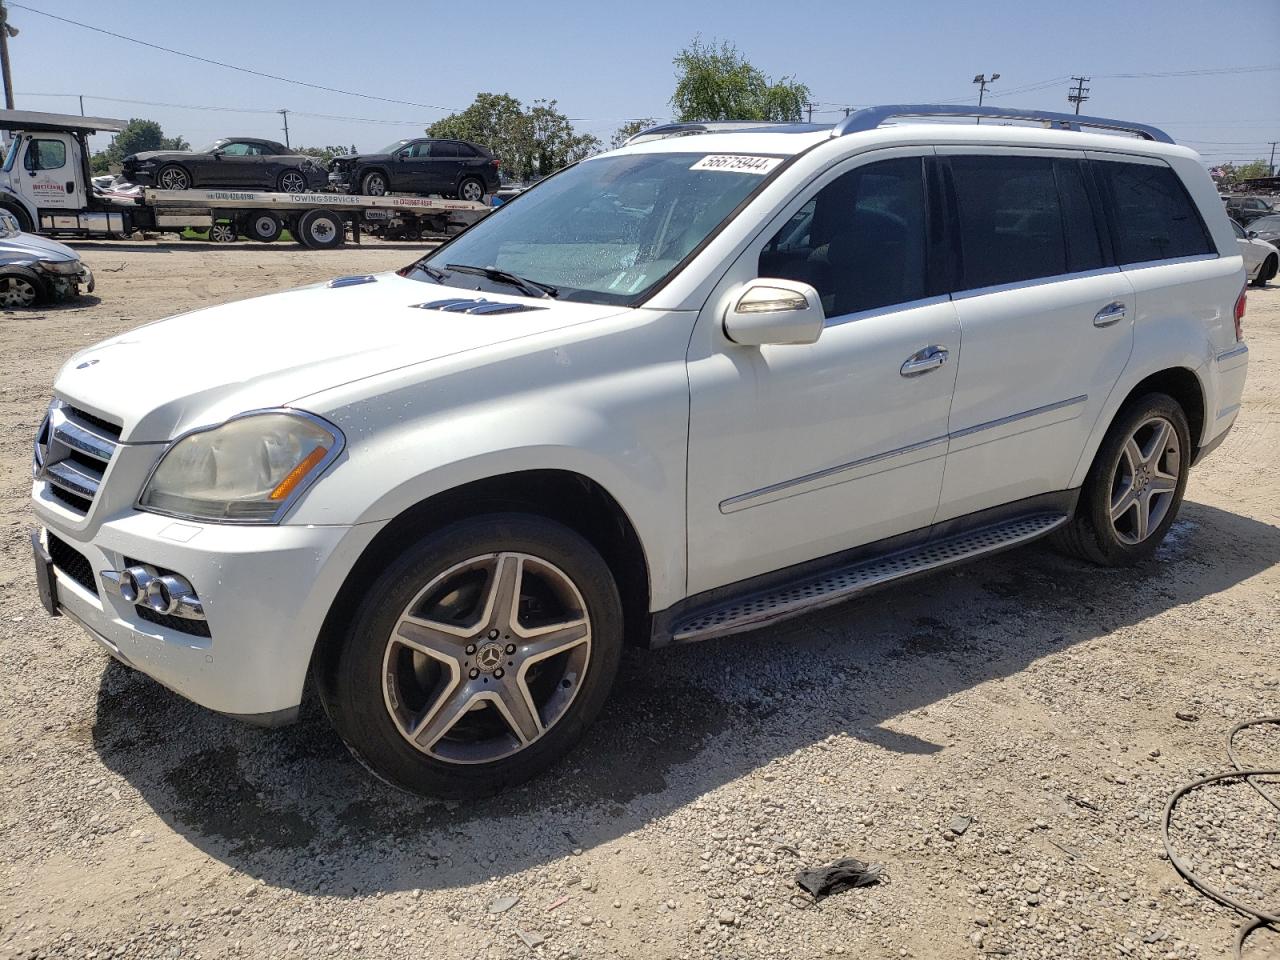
<point x="375" y="186"/>
<point x="472" y="190"/>
<point x="487" y="658"/>
<point x="1146" y="480"/>
<point x="174" y="178"/>
<point x="292" y="181"/>
<point x="17" y="292"/>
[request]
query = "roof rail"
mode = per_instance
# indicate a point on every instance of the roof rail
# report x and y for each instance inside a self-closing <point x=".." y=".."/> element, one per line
<point x="687" y="128"/>
<point x="870" y="118"/>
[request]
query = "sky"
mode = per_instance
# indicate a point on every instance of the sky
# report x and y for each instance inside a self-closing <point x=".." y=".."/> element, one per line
<point x="608" y="62"/>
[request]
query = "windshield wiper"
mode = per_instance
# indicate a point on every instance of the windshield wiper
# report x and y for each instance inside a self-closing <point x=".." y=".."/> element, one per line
<point x="435" y="274"/>
<point x="532" y="287"/>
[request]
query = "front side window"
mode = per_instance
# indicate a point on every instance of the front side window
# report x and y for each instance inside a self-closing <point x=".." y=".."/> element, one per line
<point x="1153" y="218"/>
<point x="860" y="242"/>
<point x="241" y="150"/>
<point x="46" y="155"/>
<point x="1238" y="231"/>
<point x="12" y="153"/>
<point x="609" y="229"/>
<point x="419" y="151"/>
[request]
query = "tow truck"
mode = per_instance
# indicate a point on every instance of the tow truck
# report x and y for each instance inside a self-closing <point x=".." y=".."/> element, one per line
<point x="45" y="183"/>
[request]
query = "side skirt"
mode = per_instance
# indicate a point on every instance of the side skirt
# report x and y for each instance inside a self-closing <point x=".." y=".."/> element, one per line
<point x="810" y="586"/>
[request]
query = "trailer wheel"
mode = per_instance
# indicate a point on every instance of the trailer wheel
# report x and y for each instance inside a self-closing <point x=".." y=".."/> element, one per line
<point x="264" y="226"/>
<point x="223" y="233"/>
<point x="321" y="230"/>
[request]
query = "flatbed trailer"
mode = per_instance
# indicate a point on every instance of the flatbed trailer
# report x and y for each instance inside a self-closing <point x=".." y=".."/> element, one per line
<point x="46" y="184"/>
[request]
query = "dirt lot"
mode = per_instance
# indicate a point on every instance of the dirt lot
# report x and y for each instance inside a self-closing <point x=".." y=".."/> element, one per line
<point x="1030" y="693"/>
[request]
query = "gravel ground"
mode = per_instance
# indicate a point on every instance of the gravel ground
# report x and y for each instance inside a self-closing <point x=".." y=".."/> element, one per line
<point x="1001" y="737"/>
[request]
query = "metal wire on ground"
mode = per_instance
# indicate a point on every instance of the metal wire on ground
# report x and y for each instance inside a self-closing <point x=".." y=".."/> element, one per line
<point x="1260" y="917"/>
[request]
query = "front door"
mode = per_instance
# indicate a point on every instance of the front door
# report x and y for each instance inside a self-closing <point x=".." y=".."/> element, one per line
<point x="1048" y="325"/>
<point x="51" y="172"/>
<point x="796" y="452"/>
<point x="236" y="165"/>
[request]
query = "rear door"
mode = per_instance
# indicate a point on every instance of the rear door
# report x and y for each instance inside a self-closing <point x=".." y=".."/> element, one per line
<point x="51" y="175"/>
<point x="1046" y="323"/>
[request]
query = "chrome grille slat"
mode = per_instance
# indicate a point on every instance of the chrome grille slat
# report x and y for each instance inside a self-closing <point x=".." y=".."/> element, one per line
<point x="72" y="452"/>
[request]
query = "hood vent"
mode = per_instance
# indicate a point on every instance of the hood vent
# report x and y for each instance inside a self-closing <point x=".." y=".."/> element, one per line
<point x="463" y="305"/>
<point x="351" y="281"/>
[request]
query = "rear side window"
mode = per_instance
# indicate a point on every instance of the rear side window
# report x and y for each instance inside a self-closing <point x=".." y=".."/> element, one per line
<point x="446" y="151"/>
<point x="1152" y="216"/>
<point x="1022" y="218"/>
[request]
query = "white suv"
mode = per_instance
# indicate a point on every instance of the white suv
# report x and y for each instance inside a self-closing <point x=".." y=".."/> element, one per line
<point x="726" y="374"/>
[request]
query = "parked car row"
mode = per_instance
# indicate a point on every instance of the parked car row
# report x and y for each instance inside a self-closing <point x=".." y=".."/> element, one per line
<point x="451" y="168"/>
<point x="1244" y="210"/>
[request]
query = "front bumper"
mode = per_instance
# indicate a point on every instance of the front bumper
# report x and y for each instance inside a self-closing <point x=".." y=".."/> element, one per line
<point x="65" y="286"/>
<point x="340" y="181"/>
<point x="266" y="591"/>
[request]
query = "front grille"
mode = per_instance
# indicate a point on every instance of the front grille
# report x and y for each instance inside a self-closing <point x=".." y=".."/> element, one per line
<point x="72" y="562"/>
<point x="73" y="449"/>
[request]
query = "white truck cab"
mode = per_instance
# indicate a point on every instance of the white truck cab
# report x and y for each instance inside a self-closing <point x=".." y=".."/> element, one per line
<point x="724" y="375"/>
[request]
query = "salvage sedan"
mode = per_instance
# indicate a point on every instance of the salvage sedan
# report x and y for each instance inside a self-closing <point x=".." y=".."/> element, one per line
<point x="34" y="269"/>
<point x="241" y="162"/>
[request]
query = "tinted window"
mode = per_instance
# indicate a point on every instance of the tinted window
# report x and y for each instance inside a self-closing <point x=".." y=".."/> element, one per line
<point x="1084" y="247"/>
<point x="466" y="150"/>
<point x="860" y="241"/>
<point x="1153" y="218"/>
<point x="447" y="151"/>
<point x="1012" y="222"/>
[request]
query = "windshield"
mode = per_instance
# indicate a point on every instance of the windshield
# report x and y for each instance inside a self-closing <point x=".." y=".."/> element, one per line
<point x="13" y="153"/>
<point x="392" y="148"/>
<point x="1266" y="224"/>
<point x="610" y="229"/>
<point x="210" y="147"/>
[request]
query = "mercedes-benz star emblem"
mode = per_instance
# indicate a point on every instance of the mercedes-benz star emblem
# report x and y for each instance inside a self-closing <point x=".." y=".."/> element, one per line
<point x="489" y="657"/>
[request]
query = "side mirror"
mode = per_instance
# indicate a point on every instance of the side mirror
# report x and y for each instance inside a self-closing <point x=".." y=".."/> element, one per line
<point x="775" y="311"/>
<point x="1252" y="234"/>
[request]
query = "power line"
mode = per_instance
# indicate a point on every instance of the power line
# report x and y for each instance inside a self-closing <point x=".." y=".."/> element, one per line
<point x="232" y="66"/>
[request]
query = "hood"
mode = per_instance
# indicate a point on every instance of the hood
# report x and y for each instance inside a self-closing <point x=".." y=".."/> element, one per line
<point x="202" y="367"/>
<point x="36" y="248"/>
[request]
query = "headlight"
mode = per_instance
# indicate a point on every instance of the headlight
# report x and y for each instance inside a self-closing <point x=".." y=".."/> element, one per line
<point x="70" y="267"/>
<point x="247" y="470"/>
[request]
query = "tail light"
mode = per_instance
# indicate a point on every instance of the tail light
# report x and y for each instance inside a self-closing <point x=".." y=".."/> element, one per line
<point x="496" y="163"/>
<point x="1240" y="305"/>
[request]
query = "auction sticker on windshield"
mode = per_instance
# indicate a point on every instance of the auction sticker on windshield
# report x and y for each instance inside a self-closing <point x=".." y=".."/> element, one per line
<point x="736" y="163"/>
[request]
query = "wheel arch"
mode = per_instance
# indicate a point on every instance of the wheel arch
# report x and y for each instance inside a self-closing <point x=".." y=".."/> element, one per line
<point x="1180" y="382"/>
<point x="369" y="168"/>
<point x="573" y="499"/>
<point x="15" y="206"/>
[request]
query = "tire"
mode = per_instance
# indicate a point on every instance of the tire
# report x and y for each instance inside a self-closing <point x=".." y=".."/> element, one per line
<point x="471" y="189"/>
<point x="263" y="226"/>
<point x="23" y="218"/>
<point x="321" y="230"/>
<point x="1132" y="536"/>
<point x="374" y="184"/>
<point x="377" y="690"/>
<point x="20" y="290"/>
<point x="173" y="177"/>
<point x="1265" y="272"/>
<point x="292" y="181"/>
<point x="223" y="233"/>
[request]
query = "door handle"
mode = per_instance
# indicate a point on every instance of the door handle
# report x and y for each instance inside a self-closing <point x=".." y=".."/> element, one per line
<point x="922" y="361"/>
<point x="1112" y="313"/>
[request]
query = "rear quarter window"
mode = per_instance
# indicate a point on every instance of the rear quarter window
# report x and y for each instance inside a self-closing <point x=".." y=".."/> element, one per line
<point x="1152" y="216"/>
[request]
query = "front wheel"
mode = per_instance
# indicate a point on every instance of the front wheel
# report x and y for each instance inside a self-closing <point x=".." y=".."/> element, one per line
<point x="173" y="177"/>
<point x="374" y="184"/>
<point x="478" y="657"/>
<point x="18" y="290"/>
<point x="1134" y="487"/>
<point x="1266" y="272"/>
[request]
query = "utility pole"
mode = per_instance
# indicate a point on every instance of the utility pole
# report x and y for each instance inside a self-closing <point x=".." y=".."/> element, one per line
<point x="285" y="114"/>
<point x="82" y="104"/>
<point x="982" y="81"/>
<point x="6" y="32"/>
<point x="1271" y="165"/>
<point x="846" y="110"/>
<point x="1079" y="93"/>
<point x="809" y="109"/>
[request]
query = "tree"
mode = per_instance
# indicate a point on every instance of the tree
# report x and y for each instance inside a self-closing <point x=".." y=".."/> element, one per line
<point x="716" y="82"/>
<point x="629" y="130"/>
<point x="325" y="154"/>
<point x="1248" y="171"/>
<point x="138" y="136"/>
<point x="529" y="142"/>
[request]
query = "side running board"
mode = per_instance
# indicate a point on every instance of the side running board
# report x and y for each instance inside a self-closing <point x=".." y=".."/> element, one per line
<point x="833" y="586"/>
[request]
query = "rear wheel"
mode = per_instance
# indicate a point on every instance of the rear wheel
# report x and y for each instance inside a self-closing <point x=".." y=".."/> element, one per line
<point x="292" y="181"/>
<point x="471" y="189"/>
<point x="264" y="226"/>
<point x="1134" y="488"/>
<point x="173" y="177"/>
<point x="321" y="229"/>
<point x="374" y="184"/>
<point x="1266" y="272"/>
<point x="478" y="657"/>
<point x="18" y="290"/>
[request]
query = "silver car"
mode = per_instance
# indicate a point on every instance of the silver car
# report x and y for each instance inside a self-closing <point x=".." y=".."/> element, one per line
<point x="35" y="269"/>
